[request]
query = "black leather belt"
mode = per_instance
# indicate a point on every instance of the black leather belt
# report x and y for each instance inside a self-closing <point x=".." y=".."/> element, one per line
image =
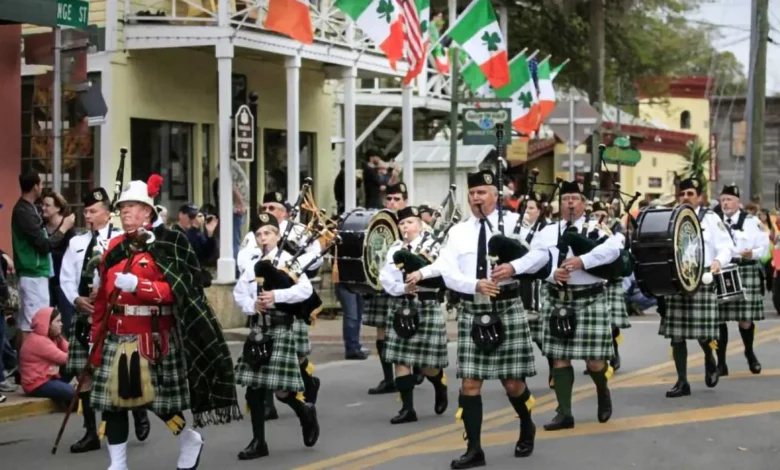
<point x="506" y="293"/>
<point x="425" y="296"/>
<point x="571" y="295"/>
<point x="277" y="318"/>
<point x="744" y="262"/>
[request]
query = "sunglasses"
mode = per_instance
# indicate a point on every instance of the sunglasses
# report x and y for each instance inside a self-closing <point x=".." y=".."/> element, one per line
<point x="688" y="193"/>
<point x="394" y="198"/>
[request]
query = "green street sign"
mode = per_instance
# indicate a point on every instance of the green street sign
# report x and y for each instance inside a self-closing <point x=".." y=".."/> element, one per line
<point x="74" y="13"/>
<point x="479" y="126"/>
<point x="621" y="153"/>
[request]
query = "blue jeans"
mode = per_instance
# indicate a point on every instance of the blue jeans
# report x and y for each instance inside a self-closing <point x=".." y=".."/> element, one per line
<point x="352" y="308"/>
<point x="238" y="225"/>
<point x="56" y="389"/>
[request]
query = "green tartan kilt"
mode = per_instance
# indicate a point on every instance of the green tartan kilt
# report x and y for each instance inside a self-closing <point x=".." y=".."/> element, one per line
<point x="375" y="311"/>
<point x="693" y="317"/>
<point x="617" y="304"/>
<point x="301" y="332"/>
<point x="535" y="324"/>
<point x="428" y="347"/>
<point x="169" y="377"/>
<point x="78" y="355"/>
<point x="514" y="359"/>
<point x="752" y="308"/>
<point x="593" y="334"/>
<point x="283" y="373"/>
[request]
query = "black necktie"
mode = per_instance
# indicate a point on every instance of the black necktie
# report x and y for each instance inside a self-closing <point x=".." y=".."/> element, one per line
<point x="482" y="251"/>
<point x="728" y="221"/>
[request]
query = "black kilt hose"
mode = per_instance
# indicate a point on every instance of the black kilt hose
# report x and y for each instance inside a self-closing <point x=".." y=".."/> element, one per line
<point x="283" y="373"/>
<point x="514" y="359"/>
<point x="752" y="308"/>
<point x="617" y="304"/>
<point x="593" y="333"/>
<point x="428" y="347"/>
<point x="694" y="317"/>
<point x="169" y="377"/>
<point x="375" y="310"/>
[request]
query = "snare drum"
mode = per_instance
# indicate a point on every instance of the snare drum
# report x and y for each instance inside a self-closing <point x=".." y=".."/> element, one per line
<point x="669" y="251"/>
<point x="728" y="283"/>
<point x="366" y="237"/>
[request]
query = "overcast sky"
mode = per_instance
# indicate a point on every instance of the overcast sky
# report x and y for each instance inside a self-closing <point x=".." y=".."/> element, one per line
<point x="734" y="15"/>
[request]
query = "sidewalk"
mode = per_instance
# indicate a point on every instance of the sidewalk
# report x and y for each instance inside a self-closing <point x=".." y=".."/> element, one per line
<point x="20" y="406"/>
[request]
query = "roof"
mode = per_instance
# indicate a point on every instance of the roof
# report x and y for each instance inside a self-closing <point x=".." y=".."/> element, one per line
<point x="610" y="112"/>
<point x="436" y="154"/>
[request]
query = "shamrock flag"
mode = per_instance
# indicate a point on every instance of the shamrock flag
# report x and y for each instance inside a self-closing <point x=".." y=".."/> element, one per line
<point x="439" y="54"/>
<point x="557" y="69"/>
<point x="525" y="103"/>
<point x="381" y="21"/>
<point x="424" y="13"/>
<point x="546" y="91"/>
<point x="478" y="34"/>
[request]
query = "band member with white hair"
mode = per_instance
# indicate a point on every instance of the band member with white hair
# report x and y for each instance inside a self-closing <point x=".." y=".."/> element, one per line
<point x="163" y="348"/>
<point x="751" y="244"/>
<point x="417" y="333"/>
<point x="697" y="317"/>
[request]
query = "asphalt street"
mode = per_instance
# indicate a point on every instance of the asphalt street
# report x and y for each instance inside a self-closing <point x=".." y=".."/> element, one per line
<point x="731" y="426"/>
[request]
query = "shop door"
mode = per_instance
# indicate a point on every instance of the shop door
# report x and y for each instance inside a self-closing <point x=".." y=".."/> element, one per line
<point x="165" y="148"/>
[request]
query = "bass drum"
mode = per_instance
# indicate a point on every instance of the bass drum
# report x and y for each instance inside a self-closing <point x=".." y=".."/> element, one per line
<point x="669" y="251"/>
<point x="366" y="237"/>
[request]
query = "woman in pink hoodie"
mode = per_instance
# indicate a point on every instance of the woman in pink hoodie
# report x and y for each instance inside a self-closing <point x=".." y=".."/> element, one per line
<point x="42" y="354"/>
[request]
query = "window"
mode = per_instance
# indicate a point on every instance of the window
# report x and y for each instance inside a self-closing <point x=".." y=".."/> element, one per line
<point x="275" y="155"/>
<point x="738" y="139"/>
<point x="654" y="182"/>
<point x="685" y="120"/>
<point x="655" y="162"/>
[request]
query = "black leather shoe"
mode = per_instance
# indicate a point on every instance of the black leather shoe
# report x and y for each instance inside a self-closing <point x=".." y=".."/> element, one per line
<point x="471" y="459"/>
<point x="312" y="396"/>
<point x="440" y="406"/>
<point x="560" y="422"/>
<point x="88" y="443"/>
<point x="142" y="425"/>
<point x="270" y="412"/>
<point x="711" y="376"/>
<point x="382" y="388"/>
<point x="605" y="406"/>
<point x="615" y="362"/>
<point x="680" y="389"/>
<point x="723" y="369"/>
<point x="755" y="366"/>
<point x="254" y="450"/>
<point x="525" y="445"/>
<point x="310" y="426"/>
<point x="404" y="416"/>
<point x="356" y="356"/>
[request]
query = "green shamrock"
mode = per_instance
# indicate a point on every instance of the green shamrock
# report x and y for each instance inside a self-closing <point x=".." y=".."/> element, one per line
<point x="525" y="99"/>
<point x="424" y="27"/>
<point x="491" y="40"/>
<point x="385" y="10"/>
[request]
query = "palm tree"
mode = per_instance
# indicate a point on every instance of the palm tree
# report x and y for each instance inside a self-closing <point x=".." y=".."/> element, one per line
<point x="697" y="160"/>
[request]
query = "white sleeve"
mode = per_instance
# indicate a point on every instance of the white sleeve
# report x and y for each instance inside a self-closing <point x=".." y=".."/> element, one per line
<point x="724" y="244"/>
<point x="69" y="278"/>
<point x="390" y="276"/>
<point x="453" y="278"/>
<point x="539" y="252"/>
<point x="245" y="293"/>
<point x="311" y="253"/>
<point x="759" y="241"/>
<point x="298" y="293"/>
<point x="603" y="254"/>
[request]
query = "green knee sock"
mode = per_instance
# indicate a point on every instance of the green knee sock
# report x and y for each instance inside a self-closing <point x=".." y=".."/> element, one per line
<point x="472" y="419"/>
<point x="255" y="398"/>
<point x="564" y="384"/>
<point x="600" y="377"/>
<point x="405" y="385"/>
<point x="680" y="354"/>
<point x="522" y="405"/>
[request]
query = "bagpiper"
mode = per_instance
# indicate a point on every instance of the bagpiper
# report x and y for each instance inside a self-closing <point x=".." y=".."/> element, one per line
<point x="77" y="279"/>
<point x="280" y="373"/>
<point x="751" y="244"/>
<point x="697" y="317"/>
<point x="157" y="343"/>
<point x="417" y="334"/>
<point x="494" y="341"/>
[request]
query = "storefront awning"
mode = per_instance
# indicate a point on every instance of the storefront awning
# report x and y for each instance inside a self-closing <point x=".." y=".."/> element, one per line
<point x="436" y="154"/>
<point x="37" y="12"/>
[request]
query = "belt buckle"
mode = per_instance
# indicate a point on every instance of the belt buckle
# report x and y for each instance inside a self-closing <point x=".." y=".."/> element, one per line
<point x="565" y="295"/>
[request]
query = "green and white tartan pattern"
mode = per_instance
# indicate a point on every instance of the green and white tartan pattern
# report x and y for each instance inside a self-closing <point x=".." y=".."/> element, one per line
<point x="169" y="377"/>
<point x="376" y="310"/>
<point x="302" y="343"/>
<point x="593" y="334"/>
<point x="428" y="347"/>
<point x="752" y="308"/>
<point x="535" y="324"/>
<point x="283" y="373"/>
<point x="695" y="317"/>
<point x="514" y="359"/>
<point x="616" y="299"/>
<point x="78" y="355"/>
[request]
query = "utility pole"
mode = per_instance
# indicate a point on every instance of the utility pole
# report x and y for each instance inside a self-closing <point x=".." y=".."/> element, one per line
<point x="596" y="89"/>
<point x="756" y="97"/>
<point x="454" y="100"/>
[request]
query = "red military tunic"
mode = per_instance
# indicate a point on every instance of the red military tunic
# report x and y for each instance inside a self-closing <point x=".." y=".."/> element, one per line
<point x="152" y="290"/>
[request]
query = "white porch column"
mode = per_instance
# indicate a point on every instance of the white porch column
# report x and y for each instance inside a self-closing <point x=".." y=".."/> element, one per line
<point x="407" y="137"/>
<point x="226" y="264"/>
<point x="503" y="22"/>
<point x="350" y="163"/>
<point x="293" y="66"/>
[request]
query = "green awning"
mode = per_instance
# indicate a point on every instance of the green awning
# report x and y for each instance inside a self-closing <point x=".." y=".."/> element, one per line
<point x="37" y="12"/>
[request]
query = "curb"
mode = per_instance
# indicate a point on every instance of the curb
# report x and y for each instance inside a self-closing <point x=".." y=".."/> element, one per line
<point x="26" y="408"/>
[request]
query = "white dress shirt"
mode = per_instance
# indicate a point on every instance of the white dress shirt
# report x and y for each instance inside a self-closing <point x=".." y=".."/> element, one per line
<point x="391" y="278"/>
<point x="73" y="260"/>
<point x="311" y="252"/>
<point x="718" y="244"/>
<point x="245" y="292"/>
<point x="752" y="237"/>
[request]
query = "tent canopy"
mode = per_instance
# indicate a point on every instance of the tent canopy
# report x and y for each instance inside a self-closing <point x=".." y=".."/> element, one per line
<point x="434" y="154"/>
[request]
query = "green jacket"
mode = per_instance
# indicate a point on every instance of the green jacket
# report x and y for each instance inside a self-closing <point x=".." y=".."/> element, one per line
<point x="32" y="246"/>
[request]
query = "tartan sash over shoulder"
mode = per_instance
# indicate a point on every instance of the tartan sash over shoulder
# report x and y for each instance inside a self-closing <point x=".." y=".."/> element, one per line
<point x="210" y="374"/>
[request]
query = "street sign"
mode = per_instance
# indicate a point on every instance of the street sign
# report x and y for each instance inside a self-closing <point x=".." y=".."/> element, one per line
<point x="585" y="120"/>
<point x="74" y="13"/>
<point x="479" y="126"/>
<point x="244" y="134"/>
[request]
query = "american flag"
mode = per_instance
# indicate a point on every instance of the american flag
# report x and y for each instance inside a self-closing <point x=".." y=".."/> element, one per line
<point x="533" y="67"/>
<point x="415" y="46"/>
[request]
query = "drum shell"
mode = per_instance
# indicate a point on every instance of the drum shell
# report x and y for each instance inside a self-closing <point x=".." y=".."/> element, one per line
<point x="728" y="284"/>
<point x="353" y="267"/>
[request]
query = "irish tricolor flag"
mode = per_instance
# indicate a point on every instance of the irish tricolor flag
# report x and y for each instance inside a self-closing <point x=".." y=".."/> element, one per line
<point x="381" y="21"/>
<point x="525" y="103"/>
<point x="546" y="91"/>
<point x="478" y="34"/>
